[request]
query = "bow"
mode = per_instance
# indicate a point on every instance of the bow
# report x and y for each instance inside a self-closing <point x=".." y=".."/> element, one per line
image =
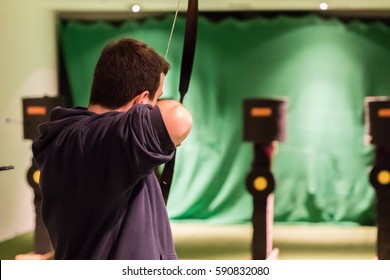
<point x="185" y="75"/>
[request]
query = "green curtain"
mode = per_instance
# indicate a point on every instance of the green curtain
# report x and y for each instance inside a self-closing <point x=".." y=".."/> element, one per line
<point x="323" y="67"/>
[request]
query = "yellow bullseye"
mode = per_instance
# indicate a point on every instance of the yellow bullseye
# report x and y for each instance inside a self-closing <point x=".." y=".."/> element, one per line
<point x="36" y="176"/>
<point x="384" y="177"/>
<point x="260" y="183"/>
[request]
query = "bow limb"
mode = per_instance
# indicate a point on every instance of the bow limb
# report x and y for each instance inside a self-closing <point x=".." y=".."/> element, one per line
<point x="189" y="47"/>
<point x="185" y="75"/>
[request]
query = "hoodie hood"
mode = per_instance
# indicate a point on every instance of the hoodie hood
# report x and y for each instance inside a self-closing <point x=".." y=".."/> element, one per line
<point x="59" y="119"/>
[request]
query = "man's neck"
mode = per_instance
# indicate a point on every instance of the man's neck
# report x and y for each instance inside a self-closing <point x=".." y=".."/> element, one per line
<point x="99" y="109"/>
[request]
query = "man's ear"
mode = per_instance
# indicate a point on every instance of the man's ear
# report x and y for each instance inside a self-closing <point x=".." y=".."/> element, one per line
<point x="143" y="97"/>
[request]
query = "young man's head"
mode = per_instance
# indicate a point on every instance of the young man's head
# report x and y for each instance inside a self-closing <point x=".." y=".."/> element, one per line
<point x="126" y="69"/>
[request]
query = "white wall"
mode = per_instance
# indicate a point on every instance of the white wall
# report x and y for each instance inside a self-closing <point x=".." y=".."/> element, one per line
<point x="27" y="69"/>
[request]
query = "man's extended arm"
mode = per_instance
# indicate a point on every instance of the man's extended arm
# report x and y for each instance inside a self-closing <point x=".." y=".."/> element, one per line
<point x="177" y="119"/>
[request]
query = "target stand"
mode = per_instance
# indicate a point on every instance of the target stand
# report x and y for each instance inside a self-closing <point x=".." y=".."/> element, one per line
<point x="264" y="124"/>
<point x="43" y="249"/>
<point x="35" y="112"/>
<point x="377" y="119"/>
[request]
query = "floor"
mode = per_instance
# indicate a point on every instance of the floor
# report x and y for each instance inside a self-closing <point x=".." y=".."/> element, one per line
<point x="232" y="242"/>
<point x="294" y="242"/>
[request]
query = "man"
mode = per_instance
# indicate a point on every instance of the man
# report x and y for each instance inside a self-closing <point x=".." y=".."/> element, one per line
<point x="101" y="198"/>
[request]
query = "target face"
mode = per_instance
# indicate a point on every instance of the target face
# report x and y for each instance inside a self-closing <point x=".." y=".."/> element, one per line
<point x="33" y="175"/>
<point x="260" y="181"/>
<point x="380" y="176"/>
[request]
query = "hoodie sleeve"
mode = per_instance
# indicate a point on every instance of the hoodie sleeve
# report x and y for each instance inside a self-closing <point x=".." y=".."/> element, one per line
<point x="129" y="145"/>
<point x="146" y="138"/>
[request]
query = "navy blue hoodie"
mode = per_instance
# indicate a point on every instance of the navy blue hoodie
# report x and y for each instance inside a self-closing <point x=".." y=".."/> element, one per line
<point x="101" y="198"/>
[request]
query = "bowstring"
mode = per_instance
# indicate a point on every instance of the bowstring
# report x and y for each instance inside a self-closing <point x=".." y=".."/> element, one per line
<point x="173" y="28"/>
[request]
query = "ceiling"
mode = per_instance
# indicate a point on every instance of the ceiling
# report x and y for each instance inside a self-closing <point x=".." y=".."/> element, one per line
<point x="121" y="9"/>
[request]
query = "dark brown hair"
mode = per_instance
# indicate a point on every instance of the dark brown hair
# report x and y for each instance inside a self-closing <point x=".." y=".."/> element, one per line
<point x="125" y="69"/>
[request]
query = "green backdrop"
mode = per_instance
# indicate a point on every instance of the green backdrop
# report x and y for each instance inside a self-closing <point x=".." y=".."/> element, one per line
<point x="324" y="67"/>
